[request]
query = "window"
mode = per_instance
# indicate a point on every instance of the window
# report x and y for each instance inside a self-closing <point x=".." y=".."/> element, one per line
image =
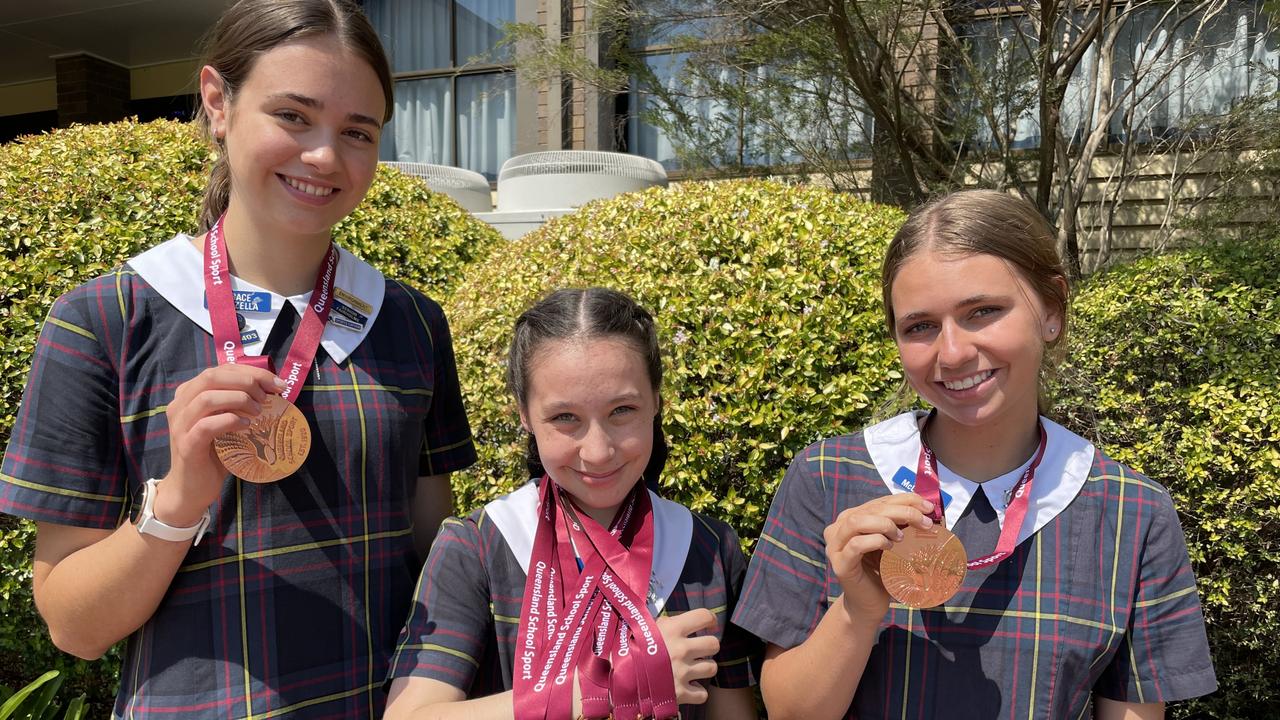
<point x="699" y="97"/>
<point x="729" y="116"/>
<point x="1186" y="73"/>
<point x="455" y="92"/>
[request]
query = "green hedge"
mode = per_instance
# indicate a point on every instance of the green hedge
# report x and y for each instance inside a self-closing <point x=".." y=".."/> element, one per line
<point x="75" y="203"/>
<point x="768" y="299"/>
<point x="1175" y="370"/>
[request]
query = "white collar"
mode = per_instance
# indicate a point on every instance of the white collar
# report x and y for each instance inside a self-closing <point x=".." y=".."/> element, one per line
<point x="516" y="517"/>
<point x="175" y="269"/>
<point x="894" y="447"/>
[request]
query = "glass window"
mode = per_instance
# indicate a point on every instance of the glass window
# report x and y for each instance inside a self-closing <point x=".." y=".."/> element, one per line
<point x="422" y="128"/>
<point x="1187" y="72"/>
<point x="734" y="117"/>
<point x="480" y="28"/>
<point x="455" y="92"/>
<point x="699" y="103"/>
<point x="1191" y="72"/>
<point x="486" y="121"/>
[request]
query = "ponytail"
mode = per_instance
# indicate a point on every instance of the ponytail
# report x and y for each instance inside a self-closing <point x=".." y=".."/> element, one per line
<point x="217" y="194"/>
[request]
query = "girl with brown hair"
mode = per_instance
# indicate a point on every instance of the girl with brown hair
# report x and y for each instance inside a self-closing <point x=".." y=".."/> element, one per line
<point x="583" y="593"/>
<point x="231" y="443"/>
<point x="976" y="560"/>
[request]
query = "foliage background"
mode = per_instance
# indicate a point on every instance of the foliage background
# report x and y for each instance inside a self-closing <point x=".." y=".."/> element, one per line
<point x="768" y="298"/>
<point x="1174" y="370"/>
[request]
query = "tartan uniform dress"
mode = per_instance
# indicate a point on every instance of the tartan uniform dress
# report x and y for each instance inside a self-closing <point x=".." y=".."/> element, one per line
<point x="290" y="606"/>
<point x="464" y="624"/>
<point x="1100" y="599"/>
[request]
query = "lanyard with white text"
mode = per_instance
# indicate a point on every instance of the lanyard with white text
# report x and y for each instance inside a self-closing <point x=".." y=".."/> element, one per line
<point x="928" y="487"/>
<point x="549" y="647"/>
<point x="640" y="683"/>
<point x="226" y="331"/>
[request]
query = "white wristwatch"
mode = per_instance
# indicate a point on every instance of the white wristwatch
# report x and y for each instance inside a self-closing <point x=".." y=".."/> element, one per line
<point x="148" y="524"/>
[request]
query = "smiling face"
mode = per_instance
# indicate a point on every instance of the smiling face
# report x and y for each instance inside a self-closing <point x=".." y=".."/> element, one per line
<point x="301" y="135"/>
<point x="590" y="407"/>
<point x="971" y="333"/>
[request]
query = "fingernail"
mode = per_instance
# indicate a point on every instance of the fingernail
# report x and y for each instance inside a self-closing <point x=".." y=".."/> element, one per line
<point x="280" y="383"/>
<point x="928" y="506"/>
<point x="900" y="535"/>
<point x="927" y="521"/>
<point x="245" y="420"/>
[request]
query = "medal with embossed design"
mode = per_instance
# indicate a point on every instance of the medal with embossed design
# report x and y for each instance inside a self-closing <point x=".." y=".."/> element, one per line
<point x="277" y="441"/>
<point x="926" y="567"/>
<point x="273" y="447"/>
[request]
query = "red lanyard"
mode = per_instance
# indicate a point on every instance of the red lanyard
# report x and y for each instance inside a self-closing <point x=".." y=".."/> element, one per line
<point x="1015" y="514"/>
<point x="603" y="628"/>
<point x="226" y="331"/>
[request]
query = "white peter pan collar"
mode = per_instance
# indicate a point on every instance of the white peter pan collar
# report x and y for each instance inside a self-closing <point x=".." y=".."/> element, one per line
<point x="516" y="517"/>
<point x="894" y="447"/>
<point x="176" y="270"/>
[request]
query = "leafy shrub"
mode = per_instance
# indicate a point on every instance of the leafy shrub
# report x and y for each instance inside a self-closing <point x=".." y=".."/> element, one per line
<point x="767" y="297"/>
<point x="36" y="701"/>
<point x="1175" y="370"/>
<point x="74" y="204"/>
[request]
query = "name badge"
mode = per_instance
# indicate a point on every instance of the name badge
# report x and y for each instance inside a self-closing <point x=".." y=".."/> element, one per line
<point x="348" y="317"/>
<point x="249" y="301"/>
<point x="345" y="324"/>
<point x="249" y="337"/>
<point x="906" y="479"/>
<point x="352" y="301"/>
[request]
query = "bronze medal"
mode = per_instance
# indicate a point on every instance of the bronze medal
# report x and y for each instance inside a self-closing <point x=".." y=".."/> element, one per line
<point x="925" y="568"/>
<point x="273" y="447"/>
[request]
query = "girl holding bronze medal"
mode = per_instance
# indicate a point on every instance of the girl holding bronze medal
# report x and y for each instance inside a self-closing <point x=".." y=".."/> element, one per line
<point x="583" y="594"/>
<point x="977" y="560"/>
<point x="221" y="473"/>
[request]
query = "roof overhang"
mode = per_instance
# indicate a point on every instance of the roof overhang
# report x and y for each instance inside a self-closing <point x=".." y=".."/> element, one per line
<point x="129" y="33"/>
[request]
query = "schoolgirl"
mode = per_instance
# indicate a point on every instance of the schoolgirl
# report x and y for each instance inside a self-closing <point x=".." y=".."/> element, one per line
<point x="256" y="344"/>
<point x="543" y="603"/>
<point x="1078" y="593"/>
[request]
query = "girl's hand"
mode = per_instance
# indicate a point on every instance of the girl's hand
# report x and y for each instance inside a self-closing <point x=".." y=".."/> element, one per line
<point x="219" y="400"/>
<point x="690" y="656"/>
<point x="868" y="528"/>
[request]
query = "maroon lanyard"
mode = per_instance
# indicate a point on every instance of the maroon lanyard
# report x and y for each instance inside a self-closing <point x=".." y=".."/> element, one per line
<point x="927" y="486"/>
<point x="226" y="331"/>
<point x="603" y="627"/>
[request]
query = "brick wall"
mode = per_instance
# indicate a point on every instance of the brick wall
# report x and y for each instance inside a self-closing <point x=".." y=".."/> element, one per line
<point x="91" y="90"/>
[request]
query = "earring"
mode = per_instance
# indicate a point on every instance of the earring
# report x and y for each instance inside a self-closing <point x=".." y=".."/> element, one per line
<point x="1053" y="330"/>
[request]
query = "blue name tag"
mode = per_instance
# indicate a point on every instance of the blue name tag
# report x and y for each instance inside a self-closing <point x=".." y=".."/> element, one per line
<point x="345" y="323"/>
<point x="342" y="310"/>
<point x="906" y="479"/>
<point x="249" y="301"/>
<point x="249" y="337"/>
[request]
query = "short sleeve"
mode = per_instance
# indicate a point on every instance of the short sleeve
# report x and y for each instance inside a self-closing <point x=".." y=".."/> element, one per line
<point x="784" y="594"/>
<point x="1165" y="655"/>
<point x="445" y="634"/>
<point x="447" y="444"/>
<point x="740" y="652"/>
<point x="65" y="460"/>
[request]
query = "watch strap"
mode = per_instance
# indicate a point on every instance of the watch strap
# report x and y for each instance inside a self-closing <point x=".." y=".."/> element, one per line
<point x="149" y="524"/>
